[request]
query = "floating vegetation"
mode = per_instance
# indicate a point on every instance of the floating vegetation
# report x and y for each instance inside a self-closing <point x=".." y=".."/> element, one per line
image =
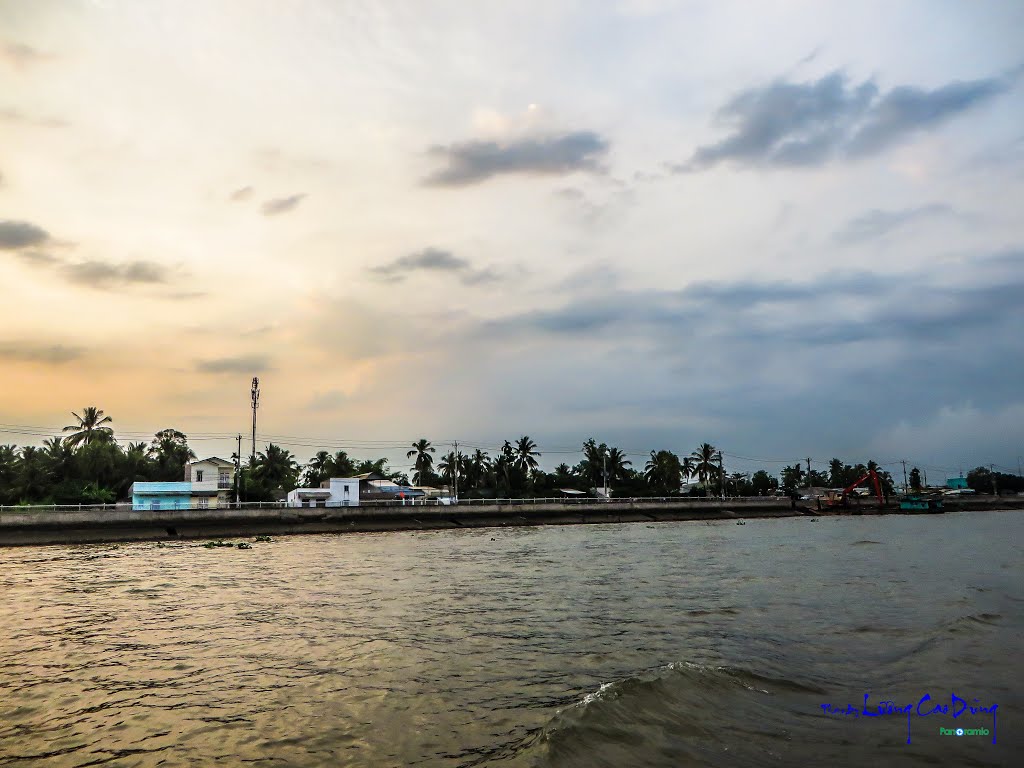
<point x="243" y="545"/>
<point x="216" y="544"/>
<point x="263" y="538"/>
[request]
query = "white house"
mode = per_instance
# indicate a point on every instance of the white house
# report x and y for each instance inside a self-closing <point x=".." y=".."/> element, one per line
<point x="336" y="492"/>
<point x="213" y="478"/>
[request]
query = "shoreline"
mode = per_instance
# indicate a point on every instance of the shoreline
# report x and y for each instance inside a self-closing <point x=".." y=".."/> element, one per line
<point x="43" y="527"/>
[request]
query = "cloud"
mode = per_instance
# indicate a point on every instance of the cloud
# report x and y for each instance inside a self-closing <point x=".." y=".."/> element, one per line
<point x="22" y="56"/>
<point x="21" y="234"/>
<point x="803" y="124"/>
<point x="436" y="261"/>
<point x="102" y="274"/>
<point x="328" y="401"/>
<point x="241" y="194"/>
<point x="50" y="354"/>
<point x="281" y="204"/>
<point x="877" y="223"/>
<point x="476" y="161"/>
<point x="37" y="258"/>
<point x="242" y="364"/>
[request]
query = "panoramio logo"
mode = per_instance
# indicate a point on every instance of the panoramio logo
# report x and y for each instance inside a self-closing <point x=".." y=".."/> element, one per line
<point x="963" y="732"/>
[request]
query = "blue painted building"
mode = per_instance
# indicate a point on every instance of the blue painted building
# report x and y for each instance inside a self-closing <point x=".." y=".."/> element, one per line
<point x="956" y="483"/>
<point x="176" y="495"/>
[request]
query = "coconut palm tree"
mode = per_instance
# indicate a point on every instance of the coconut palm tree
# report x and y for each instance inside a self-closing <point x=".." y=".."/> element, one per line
<point x="449" y="467"/>
<point x="617" y="462"/>
<point x="478" y="464"/>
<point x="89" y="427"/>
<point x="593" y="461"/>
<point x="171" y="453"/>
<point x="705" y="464"/>
<point x="276" y="468"/>
<point x="8" y="473"/>
<point x="663" y="471"/>
<point x="317" y="470"/>
<point x="424" y="463"/>
<point x="525" y="453"/>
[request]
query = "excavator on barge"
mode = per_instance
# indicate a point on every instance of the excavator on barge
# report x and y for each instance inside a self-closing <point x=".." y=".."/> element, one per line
<point x="834" y="499"/>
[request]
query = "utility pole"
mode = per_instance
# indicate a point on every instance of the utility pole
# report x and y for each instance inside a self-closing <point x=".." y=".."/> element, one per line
<point x="255" y="404"/>
<point x="808" y="471"/>
<point x="906" y="485"/>
<point x="238" y="470"/>
<point x="721" y="476"/>
<point x="455" y="471"/>
<point x="604" y="459"/>
<point x="992" y="471"/>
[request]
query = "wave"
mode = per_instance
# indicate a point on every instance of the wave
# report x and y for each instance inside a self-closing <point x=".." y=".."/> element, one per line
<point x="678" y="714"/>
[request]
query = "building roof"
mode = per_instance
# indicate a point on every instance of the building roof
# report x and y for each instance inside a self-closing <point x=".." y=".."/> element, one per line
<point x="317" y="493"/>
<point x="215" y="460"/>
<point x="369" y="476"/>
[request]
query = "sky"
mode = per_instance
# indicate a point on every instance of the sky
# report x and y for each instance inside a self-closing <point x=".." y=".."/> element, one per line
<point x="790" y="229"/>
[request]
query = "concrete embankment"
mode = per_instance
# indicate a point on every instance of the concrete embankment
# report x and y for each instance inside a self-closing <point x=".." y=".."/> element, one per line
<point x="47" y="526"/>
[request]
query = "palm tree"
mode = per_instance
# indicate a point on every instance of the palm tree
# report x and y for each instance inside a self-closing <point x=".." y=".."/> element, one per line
<point x="421" y="449"/>
<point x="8" y="473"/>
<point x="663" y="471"/>
<point x="477" y="466"/>
<point x="171" y="453"/>
<point x="836" y="473"/>
<point x="317" y="470"/>
<point x="342" y="466"/>
<point x="617" y="462"/>
<point x="276" y="468"/>
<point x="686" y="467"/>
<point x="705" y="464"/>
<point x="449" y="467"/>
<point x="89" y="427"/>
<point x="525" y="451"/>
<point x="593" y="460"/>
<point x="59" y="457"/>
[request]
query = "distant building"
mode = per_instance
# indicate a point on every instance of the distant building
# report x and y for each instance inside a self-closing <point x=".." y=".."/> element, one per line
<point x="336" y="492"/>
<point x="207" y="485"/>
<point x="171" y="495"/>
<point x="212" y="477"/>
<point x="956" y="483"/>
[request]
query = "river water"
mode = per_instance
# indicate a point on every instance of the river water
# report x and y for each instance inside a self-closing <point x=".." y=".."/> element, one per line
<point x="667" y="644"/>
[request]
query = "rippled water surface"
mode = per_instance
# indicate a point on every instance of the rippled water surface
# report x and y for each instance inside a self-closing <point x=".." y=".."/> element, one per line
<point x="608" y="645"/>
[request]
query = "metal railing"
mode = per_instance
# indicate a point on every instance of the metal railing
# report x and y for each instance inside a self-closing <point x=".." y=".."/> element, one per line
<point x="582" y="501"/>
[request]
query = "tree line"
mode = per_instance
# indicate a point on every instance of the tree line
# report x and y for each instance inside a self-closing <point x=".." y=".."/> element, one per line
<point x="89" y="466"/>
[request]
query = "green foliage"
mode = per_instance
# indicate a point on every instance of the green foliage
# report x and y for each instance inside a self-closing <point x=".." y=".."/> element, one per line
<point x="422" y="450"/>
<point x="664" y="472"/>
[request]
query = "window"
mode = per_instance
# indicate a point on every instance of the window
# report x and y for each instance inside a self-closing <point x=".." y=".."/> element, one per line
<point x="224" y="480"/>
<point x="155" y="504"/>
<point x="199" y="475"/>
<point x="204" y="503"/>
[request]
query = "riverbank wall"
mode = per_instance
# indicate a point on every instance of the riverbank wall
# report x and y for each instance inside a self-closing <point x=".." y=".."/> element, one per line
<point x="24" y="526"/>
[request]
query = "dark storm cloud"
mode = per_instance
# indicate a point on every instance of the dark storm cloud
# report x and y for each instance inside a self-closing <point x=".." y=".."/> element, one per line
<point x="281" y="204"/>
<point x="828" y="365"/>
<point x="472" y="162"/>
<point x="906" y="307"/>
<point x="51" y="354"/>
<point x="436" y="261"/>
<point x="21" y="234"/>
<point x="876" y="223"/>
<point x="804" y="124"/>
<point x="241" y="364"/>
<point x="103" y="274"/>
